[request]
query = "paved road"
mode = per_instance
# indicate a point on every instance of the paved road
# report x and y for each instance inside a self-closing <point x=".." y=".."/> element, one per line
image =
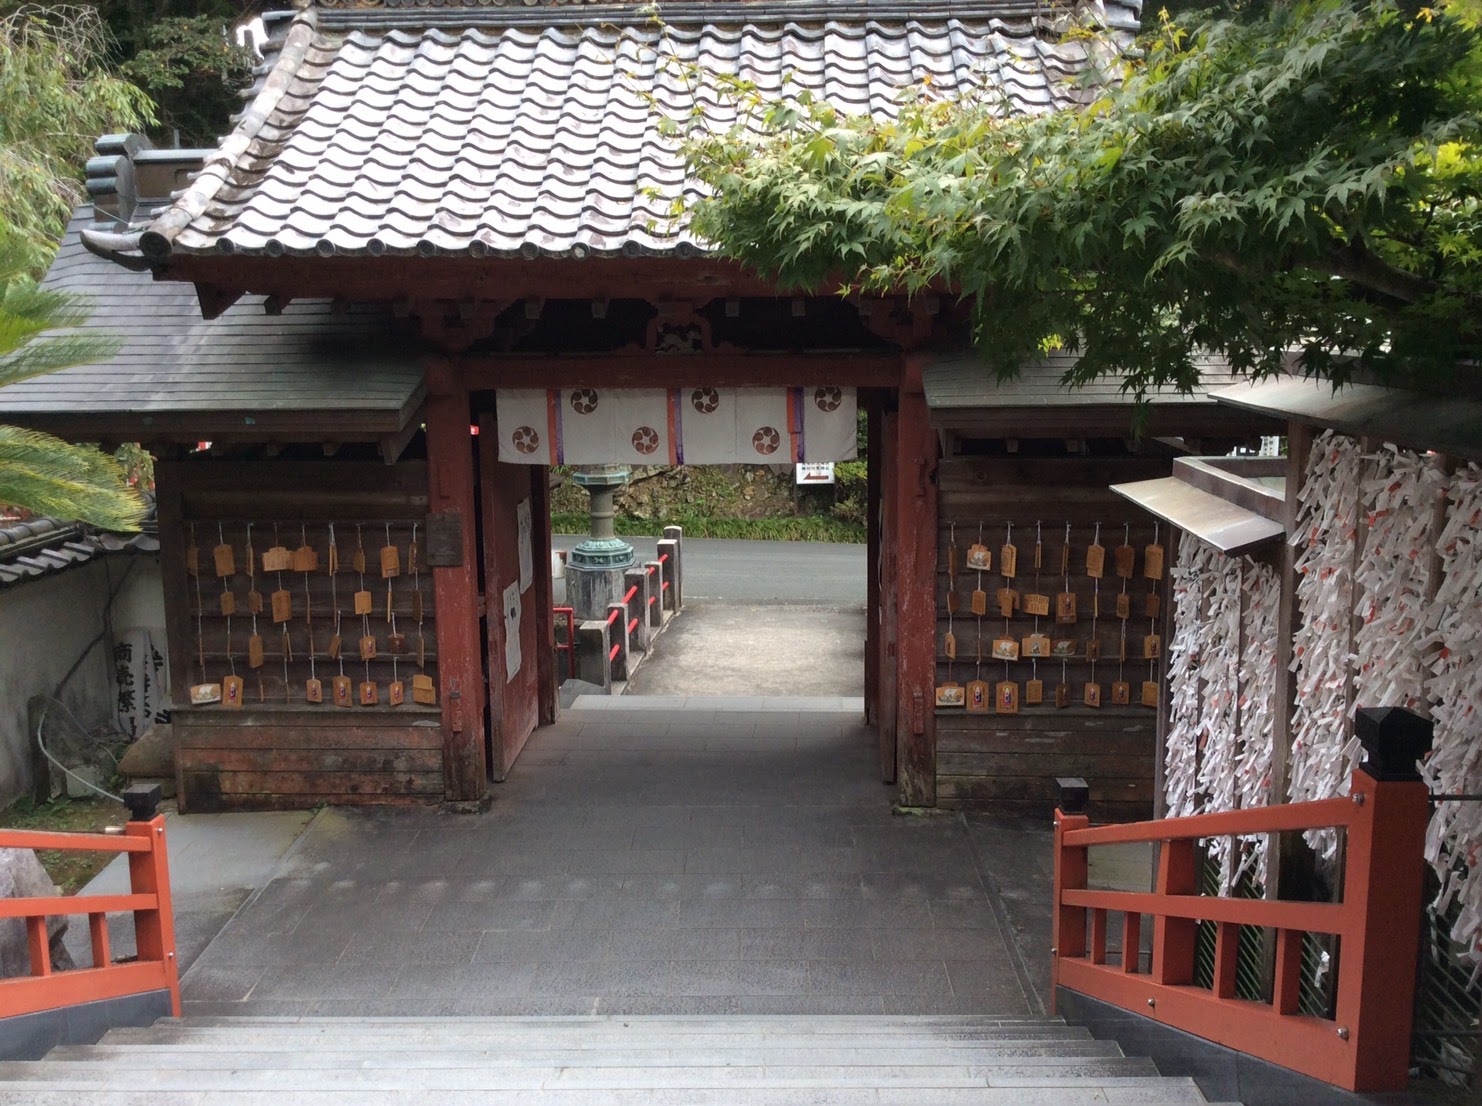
<point x="794" y="573"/>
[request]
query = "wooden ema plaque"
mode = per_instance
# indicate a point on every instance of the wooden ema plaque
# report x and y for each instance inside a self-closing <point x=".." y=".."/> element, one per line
<point x="225" y="560"/>
<point x="333" y="651"/>
<point x="305" y="559"/>
<point x="1092" y="696"/>
<point x="1093" y="649"/>
<point x="1152" y="562"/>
<point x="979" y="603"/>
<point x="1008" y="561"/>
<point x="228" y="603"/>
<point x="424" y="691"/>
<point x="368" y="647"/>
<point x="282" y="604"/>
<point x="390" y="562"/>
<point x="396" y="693"/>
<point x="1124" y="605"/>
<point x="1037" y="605"/>
<point x="1152" y="647"/>
<point x="1062" y="696"/>
<point x="277" y="559"/>
<point x="254" y="602"/>
<point x="193" y="559"/>
<point x="949" y="645"/>
<point x="1095" y="561"/>
<point x="1065" y="607"/>
<point x="1005" y="649"/>
<point x="1121" y="693"/>
<point x="1124" y="558"/>
<point x="1152" y="605"/>
<point x="254" y="651"/>
<point x="1035" y="646"/>
<point x="364" y="602"/>
<point x="344" y="692"/>
<point x="314" y="691"/>
<point x="977" y="696"/>
<point x="370" y="693"/>
<point x="1006" y="697"/>
<point x="232" y="693"/>
<point x="979" y="558"/>
<point x="1008" y="602"/>
<point x="1034" y="692"/>
<point x="951" y="694"/>
<point x="1150" y="693"/>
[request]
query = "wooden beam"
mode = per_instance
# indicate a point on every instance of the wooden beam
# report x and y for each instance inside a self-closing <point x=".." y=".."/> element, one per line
<point x="915" y="599"/>
<point x="860" y="370"/>
<point x="456" y="588"/>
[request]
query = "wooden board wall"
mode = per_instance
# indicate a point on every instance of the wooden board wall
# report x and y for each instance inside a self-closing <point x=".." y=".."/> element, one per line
<point x="1010" y="761"/>
<point x="280" y="751"/>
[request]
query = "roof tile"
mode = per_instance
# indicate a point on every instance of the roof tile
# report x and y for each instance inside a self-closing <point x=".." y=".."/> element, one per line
<point x="478" y="125"/>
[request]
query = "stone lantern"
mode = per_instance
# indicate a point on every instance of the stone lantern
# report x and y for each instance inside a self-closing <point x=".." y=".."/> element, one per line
<point x="594" y="569"/>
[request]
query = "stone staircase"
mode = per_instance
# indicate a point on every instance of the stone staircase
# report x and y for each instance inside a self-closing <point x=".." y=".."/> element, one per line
<point x="789" y="1060"/>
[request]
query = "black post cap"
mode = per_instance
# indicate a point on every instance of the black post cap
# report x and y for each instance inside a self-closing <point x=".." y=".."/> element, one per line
<point x="1394" y="740"/>
<point x="1075" y="793"/>
<point x="143" y="800"/>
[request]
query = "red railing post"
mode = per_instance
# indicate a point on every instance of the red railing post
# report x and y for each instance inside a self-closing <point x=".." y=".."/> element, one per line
<point x="1072" y="871"/>
<point x="154" y="929"/>
<point x="1173" y="938"/>
<point x="1384" y="877"/>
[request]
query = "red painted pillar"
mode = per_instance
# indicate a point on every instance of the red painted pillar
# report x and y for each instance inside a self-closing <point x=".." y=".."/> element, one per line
<point x="872" y="571"/>
<point x="915" y="595"/>
<point x="450" y="494"/>
<point x="544" y="595"/>
<point x="887" y="640"/>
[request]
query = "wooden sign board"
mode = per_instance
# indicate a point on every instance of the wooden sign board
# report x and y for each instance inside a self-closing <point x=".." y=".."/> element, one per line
<point x="1037" y="605"/>
<point x="444" y="539"/>
<point x="1006" y="698"/>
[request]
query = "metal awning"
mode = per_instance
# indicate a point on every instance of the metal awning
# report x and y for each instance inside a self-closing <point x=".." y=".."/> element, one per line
<point x="1229" y="528"/>
<point x="1450" y="424"/>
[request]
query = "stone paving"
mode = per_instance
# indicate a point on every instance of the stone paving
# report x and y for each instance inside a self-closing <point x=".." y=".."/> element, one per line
<point x="677" y="861"/>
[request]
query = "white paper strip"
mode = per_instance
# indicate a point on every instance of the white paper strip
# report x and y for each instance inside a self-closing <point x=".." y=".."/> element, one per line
<point x="1454" y="837"/>
<point x="1323" y="755"/>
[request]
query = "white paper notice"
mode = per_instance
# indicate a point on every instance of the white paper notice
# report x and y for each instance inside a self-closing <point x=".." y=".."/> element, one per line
<point x="511" y="631"/>
<point x="527" y="557"/>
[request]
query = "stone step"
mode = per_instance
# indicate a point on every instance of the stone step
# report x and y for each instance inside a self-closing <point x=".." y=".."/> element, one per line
<point x="227" y="1052"/>
<point x="250" y="1075"/>
<point x="1175" y="1092"/>
<point x="637" y="1036"/>
<point x="729" y="1023"/>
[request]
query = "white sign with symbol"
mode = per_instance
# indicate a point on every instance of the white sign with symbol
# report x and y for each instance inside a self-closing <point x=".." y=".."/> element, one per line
<point x="815" y="472"/>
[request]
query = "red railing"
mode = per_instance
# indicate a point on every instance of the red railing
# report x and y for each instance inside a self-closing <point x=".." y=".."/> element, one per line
<point x="605" y="649"/>
<point x="1365" y="1046"/>
<point x="154" y="968"/>
<point x="569" y="645"/>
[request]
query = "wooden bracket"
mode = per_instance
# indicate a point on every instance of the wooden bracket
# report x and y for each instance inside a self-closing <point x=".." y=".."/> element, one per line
<point x="214" y="301"/>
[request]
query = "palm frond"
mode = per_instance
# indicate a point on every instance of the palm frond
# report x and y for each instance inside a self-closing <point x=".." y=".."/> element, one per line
<point x="52" y="477"/>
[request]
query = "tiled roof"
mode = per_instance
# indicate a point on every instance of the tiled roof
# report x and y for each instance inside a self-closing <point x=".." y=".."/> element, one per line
<point x="43" y="546"/>
<point x="246" y="370"/>
<point x="961" y="379"/>
<point x="530" y="130"/>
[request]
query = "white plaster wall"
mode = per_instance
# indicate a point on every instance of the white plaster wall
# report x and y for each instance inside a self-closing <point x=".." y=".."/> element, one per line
<point x="45" y="625"/>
